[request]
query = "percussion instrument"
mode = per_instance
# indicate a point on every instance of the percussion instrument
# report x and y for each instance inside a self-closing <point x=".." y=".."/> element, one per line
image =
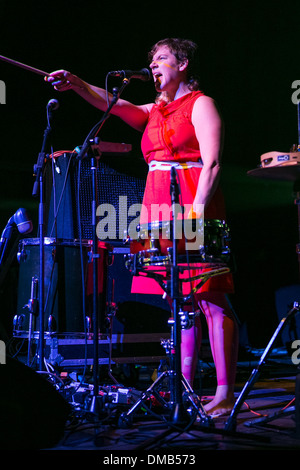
<point x="278" y="166"/>
<point x="203" y="241"/>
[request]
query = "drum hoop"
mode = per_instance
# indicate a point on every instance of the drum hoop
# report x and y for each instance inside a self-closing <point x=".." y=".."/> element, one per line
<point x="160" y="224"/>
<point x="55" y="241"/>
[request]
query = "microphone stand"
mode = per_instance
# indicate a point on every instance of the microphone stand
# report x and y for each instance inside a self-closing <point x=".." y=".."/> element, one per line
<point x="179" y="414"/>
<point x="6" y="234"/>
<point x="87" y="152"/>
<point x="38" y="187"/>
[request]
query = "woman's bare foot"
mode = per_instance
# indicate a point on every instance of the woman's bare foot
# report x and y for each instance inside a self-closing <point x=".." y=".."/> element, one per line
<point x="222" y="403"/>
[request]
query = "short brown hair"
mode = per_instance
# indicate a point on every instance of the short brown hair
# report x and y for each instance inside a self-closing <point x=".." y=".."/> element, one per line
<point x="182" y="49"/>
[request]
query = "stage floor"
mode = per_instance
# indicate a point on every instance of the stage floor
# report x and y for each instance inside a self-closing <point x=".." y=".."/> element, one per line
<point x="268" y="420"/>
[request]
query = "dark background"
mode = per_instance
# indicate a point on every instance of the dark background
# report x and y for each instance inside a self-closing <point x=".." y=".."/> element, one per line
<point x="248" y="60"/>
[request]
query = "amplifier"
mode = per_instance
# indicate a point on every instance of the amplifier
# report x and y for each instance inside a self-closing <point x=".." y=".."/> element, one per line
<point x="68" y="196"/>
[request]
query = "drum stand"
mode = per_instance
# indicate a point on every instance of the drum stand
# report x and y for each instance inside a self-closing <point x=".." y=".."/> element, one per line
<point x="181" y="416"/>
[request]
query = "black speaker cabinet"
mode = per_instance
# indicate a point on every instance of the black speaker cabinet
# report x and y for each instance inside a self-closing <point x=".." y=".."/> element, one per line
<point x="33" y="413"/>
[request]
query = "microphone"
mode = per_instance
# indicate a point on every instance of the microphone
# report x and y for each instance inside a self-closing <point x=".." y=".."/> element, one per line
<point x="143" y="74"/>
<point x="23" y="223"/>
<point x="21" y="220"/>
<point x="52" y="105"/>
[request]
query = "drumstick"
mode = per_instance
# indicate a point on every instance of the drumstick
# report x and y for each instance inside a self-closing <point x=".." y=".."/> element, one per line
<point x="24" y="66"/>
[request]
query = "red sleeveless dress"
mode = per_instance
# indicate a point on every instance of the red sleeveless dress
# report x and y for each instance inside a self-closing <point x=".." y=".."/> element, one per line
<point x="169" y="137"/>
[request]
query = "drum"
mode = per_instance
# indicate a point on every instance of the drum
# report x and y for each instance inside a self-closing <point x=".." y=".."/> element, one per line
<point x="65" y="265"/>
<point x="198" y="240"/>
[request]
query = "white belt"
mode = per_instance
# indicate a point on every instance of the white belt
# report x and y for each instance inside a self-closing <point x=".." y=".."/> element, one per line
<point x="166" y="166"/>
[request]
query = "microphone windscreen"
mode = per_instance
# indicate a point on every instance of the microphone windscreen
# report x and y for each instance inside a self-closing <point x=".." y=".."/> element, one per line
<point x="22" y="221"/>
<point x="25" y="227"/>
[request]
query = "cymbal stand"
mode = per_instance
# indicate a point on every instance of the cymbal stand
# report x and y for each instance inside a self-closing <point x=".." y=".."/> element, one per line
<point x="230" y="424"/>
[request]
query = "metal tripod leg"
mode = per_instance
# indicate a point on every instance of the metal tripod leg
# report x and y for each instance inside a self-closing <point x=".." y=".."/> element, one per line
<point x="230" y="424"/>
<point x="196" y="404"/>
<point x="290" y="410"/>
<point x="126" y="418"/>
